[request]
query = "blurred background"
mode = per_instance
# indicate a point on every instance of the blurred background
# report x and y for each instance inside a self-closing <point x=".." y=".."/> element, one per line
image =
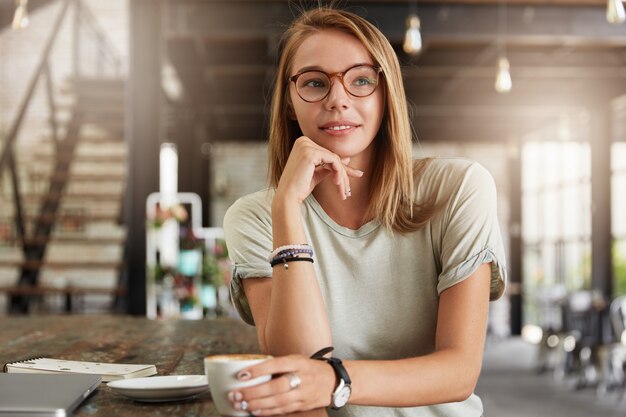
<point x="128" y="127"/>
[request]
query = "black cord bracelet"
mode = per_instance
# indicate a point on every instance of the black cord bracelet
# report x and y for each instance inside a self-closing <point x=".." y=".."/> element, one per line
<point x="285" y="261"/>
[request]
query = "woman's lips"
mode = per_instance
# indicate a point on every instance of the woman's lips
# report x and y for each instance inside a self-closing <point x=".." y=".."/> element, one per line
<point x="339" y="130"/>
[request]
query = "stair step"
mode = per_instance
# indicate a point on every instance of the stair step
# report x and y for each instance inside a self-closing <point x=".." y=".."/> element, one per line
<point x="50" y="218"/>
<point x="70" y="290"/>
<point x="74" y="178"/>
<point x="73" y="157"/>
<point x="100" y="82"/>
<point x="89" y="105"/>
<point x="66" y="240"/>
<point x="88" y="139"/>
<point x="30" y="265"/>
<point x="30" y="197"/>
<point x="95" y="83"/>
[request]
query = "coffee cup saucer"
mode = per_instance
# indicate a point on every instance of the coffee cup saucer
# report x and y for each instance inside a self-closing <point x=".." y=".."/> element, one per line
<point x="161" y="388"/>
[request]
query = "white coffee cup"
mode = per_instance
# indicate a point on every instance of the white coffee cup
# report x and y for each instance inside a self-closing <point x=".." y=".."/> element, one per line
<point x="221" y="372"/>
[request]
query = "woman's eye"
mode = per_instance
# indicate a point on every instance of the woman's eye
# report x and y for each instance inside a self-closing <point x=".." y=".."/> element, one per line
<point x="363" y="81"/>
<point x="315" y="84"/>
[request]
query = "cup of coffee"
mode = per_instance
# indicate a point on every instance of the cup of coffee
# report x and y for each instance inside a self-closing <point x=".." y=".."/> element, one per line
<point x="221" y="372"/>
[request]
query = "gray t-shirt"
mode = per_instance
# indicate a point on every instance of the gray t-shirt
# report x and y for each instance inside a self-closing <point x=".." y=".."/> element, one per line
<point x="381" y="289"/>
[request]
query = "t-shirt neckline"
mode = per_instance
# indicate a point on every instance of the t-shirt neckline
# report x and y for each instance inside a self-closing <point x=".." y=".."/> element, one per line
<point x="366" y="229"/>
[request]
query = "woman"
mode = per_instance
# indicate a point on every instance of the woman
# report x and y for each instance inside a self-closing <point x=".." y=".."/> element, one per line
<point x="402" y="257"/>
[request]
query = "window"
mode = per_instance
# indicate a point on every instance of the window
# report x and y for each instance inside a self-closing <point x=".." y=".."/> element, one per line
<point x="556" y="219"/>
<point x="618" y="221"/>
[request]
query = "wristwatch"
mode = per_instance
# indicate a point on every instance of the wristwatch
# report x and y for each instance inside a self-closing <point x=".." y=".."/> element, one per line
<point x="341" y="394"/>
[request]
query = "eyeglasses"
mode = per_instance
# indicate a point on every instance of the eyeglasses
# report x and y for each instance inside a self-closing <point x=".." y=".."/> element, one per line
<point x="358" y="81"/>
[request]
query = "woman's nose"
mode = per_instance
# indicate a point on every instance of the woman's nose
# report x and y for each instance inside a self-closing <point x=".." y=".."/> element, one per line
<point x="337" y="96"/>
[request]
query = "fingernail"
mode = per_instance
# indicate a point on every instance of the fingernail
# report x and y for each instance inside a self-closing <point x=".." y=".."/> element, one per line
<point x="237" y="406"/>
<point x="359" y="172"/>
<point x="235" y="396"/>
<point x="256" y="412"/>
<point x="244" y="375"/>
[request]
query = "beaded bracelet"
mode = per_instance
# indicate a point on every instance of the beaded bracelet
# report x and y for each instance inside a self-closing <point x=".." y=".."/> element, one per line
<point x="286" y="261"/>
<point x="288" y="253"/>
<point x="287" y="247"/>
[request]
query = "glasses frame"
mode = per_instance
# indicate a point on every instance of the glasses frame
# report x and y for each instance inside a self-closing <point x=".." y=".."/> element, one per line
<point x="294" y="79"/>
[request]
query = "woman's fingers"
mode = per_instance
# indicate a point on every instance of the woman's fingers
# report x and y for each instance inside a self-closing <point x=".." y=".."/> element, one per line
<point x="336" y="167"/>
<point x="279" y="365"/>
<point x="299" y="384"/>
<point x="326" y="166"/>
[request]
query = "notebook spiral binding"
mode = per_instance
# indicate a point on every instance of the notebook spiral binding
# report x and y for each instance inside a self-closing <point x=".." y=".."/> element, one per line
<point x="5" y="367"/>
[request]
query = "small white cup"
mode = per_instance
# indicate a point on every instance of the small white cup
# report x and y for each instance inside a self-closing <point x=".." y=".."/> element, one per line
<point x="221" y="372"/>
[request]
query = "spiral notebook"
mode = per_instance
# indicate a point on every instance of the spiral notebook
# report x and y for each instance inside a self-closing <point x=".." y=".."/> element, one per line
<point x="108" y="371"/>
<point x="44" y="395"/>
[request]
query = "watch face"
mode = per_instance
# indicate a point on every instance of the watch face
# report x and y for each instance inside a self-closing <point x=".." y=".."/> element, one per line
<point x="342" y="397"/>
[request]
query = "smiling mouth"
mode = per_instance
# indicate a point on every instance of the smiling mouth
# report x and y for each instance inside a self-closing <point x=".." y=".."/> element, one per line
<point x="338" y="128"/>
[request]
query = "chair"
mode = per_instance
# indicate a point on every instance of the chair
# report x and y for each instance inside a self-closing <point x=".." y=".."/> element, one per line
<point x="582" y="323"/>
<point x="550" y="302"/>
<point x="613" y="380"/>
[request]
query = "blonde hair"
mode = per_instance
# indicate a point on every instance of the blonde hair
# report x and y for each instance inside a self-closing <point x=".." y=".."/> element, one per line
<point x="392" y="192"/>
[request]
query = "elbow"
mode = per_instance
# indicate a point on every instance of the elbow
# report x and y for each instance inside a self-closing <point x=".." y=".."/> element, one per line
<point x="462" y="395"/>
<point x="466" y="388"/>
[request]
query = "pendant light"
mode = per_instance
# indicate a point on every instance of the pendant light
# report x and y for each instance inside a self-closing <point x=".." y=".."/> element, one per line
<point x="413" y="36"/>
<point x="20" y="18"/>
<point x="503" y="76"/>
<point x="615" y="13"/>
<point x="503" y="83"/>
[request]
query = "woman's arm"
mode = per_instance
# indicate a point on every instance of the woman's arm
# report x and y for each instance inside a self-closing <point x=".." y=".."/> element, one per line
<point x="288" y="309"/>
<point x="447" y="375"/>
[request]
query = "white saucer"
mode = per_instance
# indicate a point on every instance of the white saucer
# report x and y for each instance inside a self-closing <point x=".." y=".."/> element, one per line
<point x="161" y="388"/>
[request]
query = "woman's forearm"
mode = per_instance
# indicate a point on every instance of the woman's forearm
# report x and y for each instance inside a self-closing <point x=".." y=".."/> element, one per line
<point x="297" y="321"/>
<point x="441" y="377"/>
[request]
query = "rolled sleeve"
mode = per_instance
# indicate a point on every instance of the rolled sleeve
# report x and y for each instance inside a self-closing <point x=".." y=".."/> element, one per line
<point x="248" y="233"/>
<point x="471" y="234"/>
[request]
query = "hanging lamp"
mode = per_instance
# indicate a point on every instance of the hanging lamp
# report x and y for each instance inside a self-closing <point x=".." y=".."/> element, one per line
<point x="503" y="83"/>
<point x="412" y="37"/>
<point x="615" y="13"/>
<point x="20" y="18"/>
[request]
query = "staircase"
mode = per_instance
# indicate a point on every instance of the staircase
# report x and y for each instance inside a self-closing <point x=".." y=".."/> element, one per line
<point x="72" y="185"/>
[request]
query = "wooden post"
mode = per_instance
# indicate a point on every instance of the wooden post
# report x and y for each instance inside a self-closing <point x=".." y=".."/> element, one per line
<point x="601" y="239"/>
<point x="143" y="138"/>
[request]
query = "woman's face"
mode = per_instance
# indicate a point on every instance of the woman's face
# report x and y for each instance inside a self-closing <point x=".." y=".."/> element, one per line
<point x="341" y="122"/>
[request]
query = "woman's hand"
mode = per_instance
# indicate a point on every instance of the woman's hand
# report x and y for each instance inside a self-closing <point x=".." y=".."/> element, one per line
<point x="299" y="384"/>
<point x="308" y="165"/>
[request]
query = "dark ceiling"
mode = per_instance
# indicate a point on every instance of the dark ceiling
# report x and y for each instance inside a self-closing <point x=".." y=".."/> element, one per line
<point x="564" y="57"/>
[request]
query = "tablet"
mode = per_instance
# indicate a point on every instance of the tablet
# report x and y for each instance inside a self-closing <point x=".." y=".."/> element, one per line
<point x="42" y="395"/>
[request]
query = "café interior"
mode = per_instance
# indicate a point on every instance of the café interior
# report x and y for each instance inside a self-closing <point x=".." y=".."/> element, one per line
<point x="129" y="127"/>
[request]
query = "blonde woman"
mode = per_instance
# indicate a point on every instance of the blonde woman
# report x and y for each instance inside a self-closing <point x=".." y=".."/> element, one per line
<point x="355" y="246"/>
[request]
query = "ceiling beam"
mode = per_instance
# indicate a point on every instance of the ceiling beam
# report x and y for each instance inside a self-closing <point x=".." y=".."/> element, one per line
<point x="542" y="23"/>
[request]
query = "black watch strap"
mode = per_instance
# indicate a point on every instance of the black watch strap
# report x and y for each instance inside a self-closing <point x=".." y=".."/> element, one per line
<point x="320" y="353"/>
<point x="340" y="370"/>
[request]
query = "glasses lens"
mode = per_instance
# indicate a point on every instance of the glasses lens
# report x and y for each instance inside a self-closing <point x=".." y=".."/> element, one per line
<point x="312" y="85"/>
<point x="361" y="81"/>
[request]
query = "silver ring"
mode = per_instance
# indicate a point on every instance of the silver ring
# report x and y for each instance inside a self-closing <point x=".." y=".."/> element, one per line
<point x="244" y="405"/>
<point x="294" y="381"/>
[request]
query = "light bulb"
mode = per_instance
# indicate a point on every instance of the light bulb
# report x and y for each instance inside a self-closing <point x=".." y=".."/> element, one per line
<point x="503" y="76"/>
<point x="615" y="12"/>
<point x="412" y="37"/>
<point x="20" y="19"/>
